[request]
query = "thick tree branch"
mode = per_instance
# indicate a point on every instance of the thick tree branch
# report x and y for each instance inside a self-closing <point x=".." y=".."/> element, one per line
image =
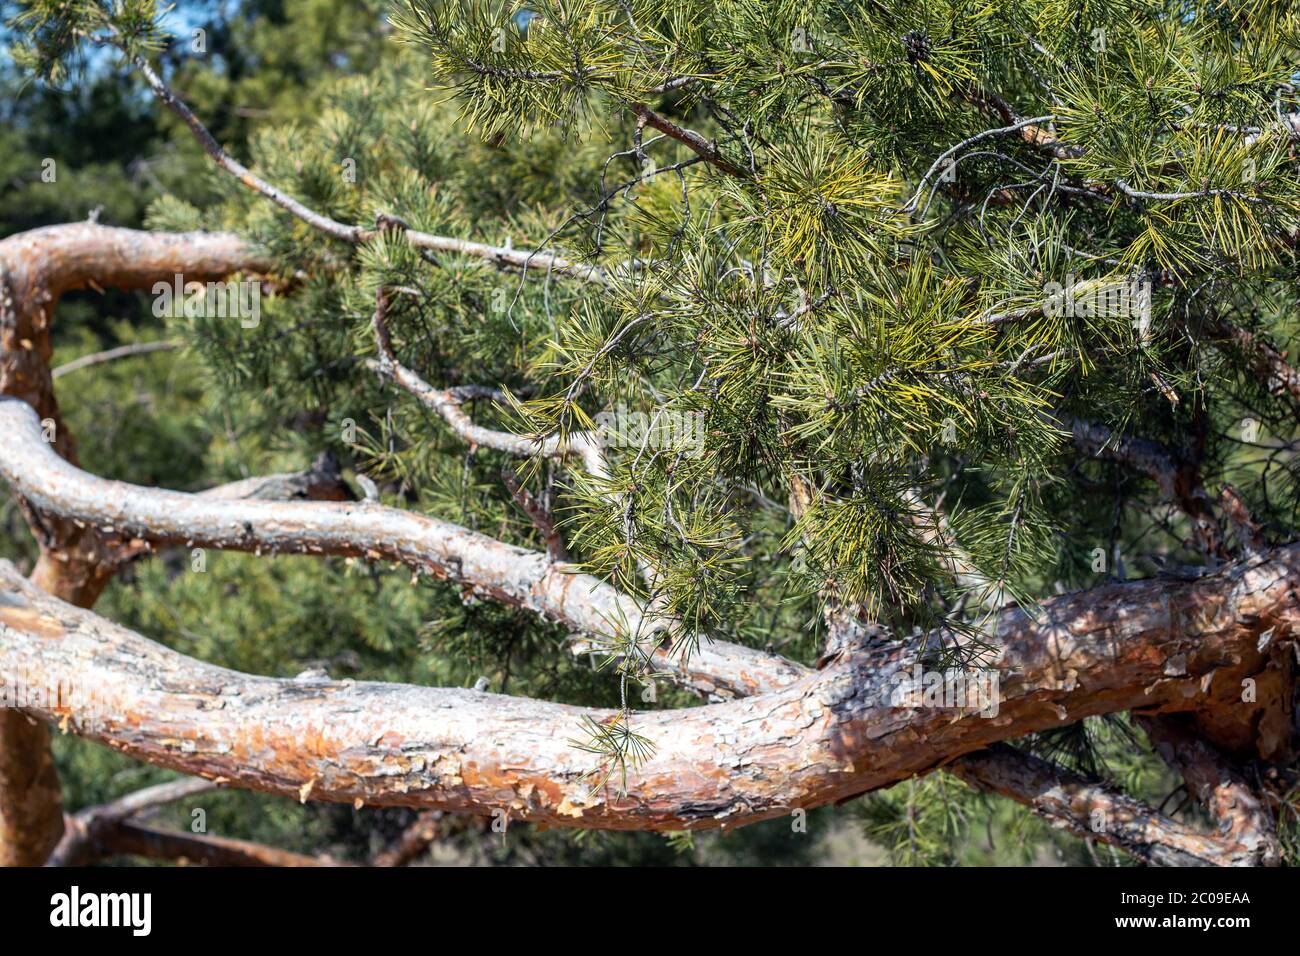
<point x="1064" y="798"/>
<point x="1157" y="645"/>
<point x="39" y="266"/>
<point x="322" y="481"/>
<point x="36" y="269"/>
<point x="365" y="530"/>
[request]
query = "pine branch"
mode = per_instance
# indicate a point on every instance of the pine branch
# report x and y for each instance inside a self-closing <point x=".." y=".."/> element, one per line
<point x="705" y="149"/>
<point x="134" y="839"/>
<point x="86" y="831"/>
<point x="354" y="234"/>
<point x="484" y="565"/>
<point x="447" y="404"/>
<point x="1177" y="476"/>
<point x="538" y="515"/>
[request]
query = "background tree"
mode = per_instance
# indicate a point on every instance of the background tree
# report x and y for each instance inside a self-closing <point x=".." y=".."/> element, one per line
<point x="938" y="311"/>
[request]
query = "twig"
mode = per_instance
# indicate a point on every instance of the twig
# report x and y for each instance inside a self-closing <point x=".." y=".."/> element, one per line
<point x="110" y="355"/>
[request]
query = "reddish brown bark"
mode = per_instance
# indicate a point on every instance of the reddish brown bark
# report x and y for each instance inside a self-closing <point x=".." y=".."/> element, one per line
<point x="1245" y="821"/>
<point x="1158" y="645"/>
<point x="804" y="739"/>
<point x="36" y="269"/>
<point x="75" y="563"/>
<point x="41" y="265"/>
<point x="29" y="791"/>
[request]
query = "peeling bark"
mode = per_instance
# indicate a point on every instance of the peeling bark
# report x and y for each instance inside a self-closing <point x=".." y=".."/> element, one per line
<point x="801" y="739"/>
<point x="1245" y="822"/>
<point x="36" y="269"/>
<point x="1157" y="645"/>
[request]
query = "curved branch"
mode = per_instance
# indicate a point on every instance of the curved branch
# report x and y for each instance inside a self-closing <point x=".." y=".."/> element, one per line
<point x="112" y="355"/>
<point x="447" y="403"/>
<point x="1176" y="475"/>
<point x="36" y="268"/>
<point x="364" y="530"/>
<point x="84" y="830"/>
<point x="1156" y="645"/>
<point x="110" y="830"/>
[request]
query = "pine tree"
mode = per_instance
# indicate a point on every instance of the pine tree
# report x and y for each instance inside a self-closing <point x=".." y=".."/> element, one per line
<point x="910" y="379"/>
